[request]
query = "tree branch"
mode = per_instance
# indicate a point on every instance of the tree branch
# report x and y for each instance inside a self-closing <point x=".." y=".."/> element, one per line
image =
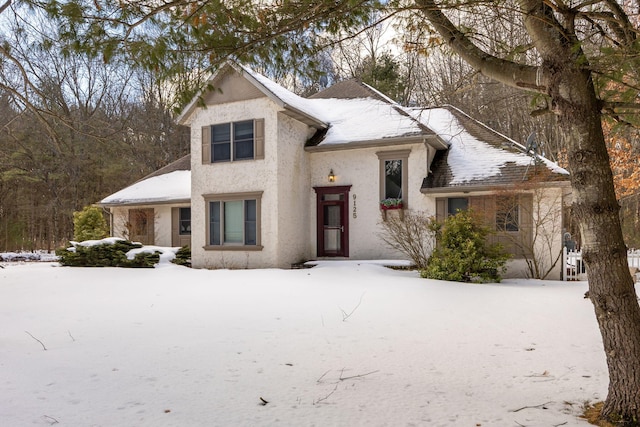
<point x="512" y="74"/>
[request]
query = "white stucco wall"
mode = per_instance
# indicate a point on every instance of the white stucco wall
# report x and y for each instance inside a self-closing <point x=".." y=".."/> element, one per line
<point x="360" y="168"/>
<point x="293" y="211"/>
<point x="277" y="176"/>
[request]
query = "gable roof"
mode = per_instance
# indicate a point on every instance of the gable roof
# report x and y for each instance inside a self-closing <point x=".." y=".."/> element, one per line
<point x="170" y="184"/>
<point x="344" y="119"/>
<point x="478" y="155"/>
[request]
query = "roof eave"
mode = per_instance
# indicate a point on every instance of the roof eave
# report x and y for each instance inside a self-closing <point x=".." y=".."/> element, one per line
<point x="304" y="117"/>
<point x="144" y="203"/>
<point x="382" y="142"/>
<point x="467" y="188"/>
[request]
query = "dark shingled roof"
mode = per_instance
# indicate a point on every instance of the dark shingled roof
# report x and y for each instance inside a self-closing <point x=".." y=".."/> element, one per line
<point x="182" y="164"/>
<point x="440" y="176"/>
<point x="349" y="89"/>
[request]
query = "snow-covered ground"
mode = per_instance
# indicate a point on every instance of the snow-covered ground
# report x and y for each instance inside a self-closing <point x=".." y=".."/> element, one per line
<point x="341" y="344"/>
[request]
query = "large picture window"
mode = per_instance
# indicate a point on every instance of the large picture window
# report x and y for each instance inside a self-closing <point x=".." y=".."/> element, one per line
<point x="233" y="221"/>
<point x="233" y="141"/>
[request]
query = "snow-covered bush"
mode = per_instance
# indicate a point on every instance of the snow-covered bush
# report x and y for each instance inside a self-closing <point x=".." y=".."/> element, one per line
<point x="106" y="253"/>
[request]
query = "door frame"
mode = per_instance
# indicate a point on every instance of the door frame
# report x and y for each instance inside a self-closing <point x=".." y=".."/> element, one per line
<point x="344" y="218"/>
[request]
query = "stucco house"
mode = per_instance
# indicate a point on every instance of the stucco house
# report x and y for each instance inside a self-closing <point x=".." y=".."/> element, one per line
<point x="277" y="179"/>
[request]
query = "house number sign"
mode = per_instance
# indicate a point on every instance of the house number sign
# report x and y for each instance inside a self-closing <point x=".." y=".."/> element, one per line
<point x="355" y="211"/>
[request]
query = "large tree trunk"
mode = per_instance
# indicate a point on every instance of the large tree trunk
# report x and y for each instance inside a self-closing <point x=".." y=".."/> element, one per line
<point x="611" y="287"/>
<point x="565" y="77"/>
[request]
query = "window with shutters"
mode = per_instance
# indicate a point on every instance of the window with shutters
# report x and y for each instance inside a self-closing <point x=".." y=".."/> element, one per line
<point x="233" y="141"/>
<point x="233" y="221"/>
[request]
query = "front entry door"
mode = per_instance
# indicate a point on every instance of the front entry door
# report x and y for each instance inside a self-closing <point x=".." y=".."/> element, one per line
<point x="141" y="226"/>
<point x="333" y="221"/>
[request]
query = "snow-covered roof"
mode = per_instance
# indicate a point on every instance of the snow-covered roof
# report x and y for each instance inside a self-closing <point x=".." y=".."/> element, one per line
<point x="371" y="118"/>
<point x="476" y="152"/>
<point x="172" y="187"/>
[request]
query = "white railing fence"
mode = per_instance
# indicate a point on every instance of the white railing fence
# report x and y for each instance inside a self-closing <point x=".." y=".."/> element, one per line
<point x="574" y="266"/>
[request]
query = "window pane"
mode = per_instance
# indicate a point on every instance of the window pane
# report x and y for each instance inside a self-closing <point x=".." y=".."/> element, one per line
<point x="331" y="197"/>
<point x="332" y="228"/>
<point x="233" y="227"/>
<point x="221" y="142"/>
<point x="243" y="130"/>
<point x="214" y="223"/>
<point x="243" y="140"/>
<point x="221" y="152"/>
<point x="457" y="204"/>
<point x="243" y="150"/>
<point x="221" y="133"/>
<point x="393" y="179"/>
<point x="250" y="223"/>
<point x="507" y="214"/>
<point x="185" y="221"/>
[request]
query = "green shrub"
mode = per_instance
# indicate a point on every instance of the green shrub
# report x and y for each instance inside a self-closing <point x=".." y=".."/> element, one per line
<point x="89" y="224"/>
<point x="463" y="254"/>
<point x="183" y="256"/>
<point x="106" y="255"/>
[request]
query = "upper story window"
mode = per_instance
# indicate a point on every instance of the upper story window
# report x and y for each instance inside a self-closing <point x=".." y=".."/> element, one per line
<point x="394" y="174"/>
<point x="227" y="142"/>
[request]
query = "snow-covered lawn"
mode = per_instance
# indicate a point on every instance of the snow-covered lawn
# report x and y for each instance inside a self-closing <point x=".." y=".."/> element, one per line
<point x="341" y="344"/>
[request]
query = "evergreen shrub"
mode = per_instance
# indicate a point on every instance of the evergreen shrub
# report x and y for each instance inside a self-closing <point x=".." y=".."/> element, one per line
<point x="183" y="256"/>
<point x="89" y="224"/>
<point x="462" y="253"/>
<point x="106" y="255"/>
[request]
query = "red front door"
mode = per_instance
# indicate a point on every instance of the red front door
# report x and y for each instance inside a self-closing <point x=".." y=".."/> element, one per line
<point x="333" y="221"/>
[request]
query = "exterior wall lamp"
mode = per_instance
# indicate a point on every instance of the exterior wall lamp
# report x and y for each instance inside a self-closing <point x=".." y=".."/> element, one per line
<point x="332" y="177"/>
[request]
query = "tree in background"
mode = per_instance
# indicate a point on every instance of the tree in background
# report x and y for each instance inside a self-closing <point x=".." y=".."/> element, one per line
<point x="73" y="128"/>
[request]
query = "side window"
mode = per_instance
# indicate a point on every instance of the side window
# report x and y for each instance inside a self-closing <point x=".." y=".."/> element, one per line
<point x="507" y="214"/>
<point x="448" y="206"/>
<point x="185" y="221"/>
<point x="227" y="142"/>
<point x="394" y="175"/>
<point x="233" y="221"/>
<point x="455" y="204"/>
